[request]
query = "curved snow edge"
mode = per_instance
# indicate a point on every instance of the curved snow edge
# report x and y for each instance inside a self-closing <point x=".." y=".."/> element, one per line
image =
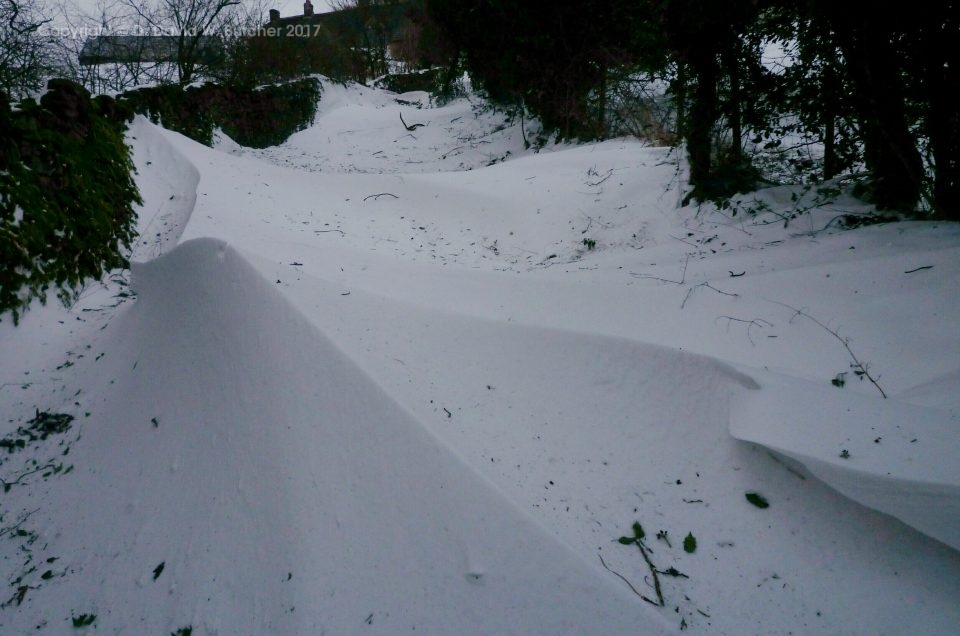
<point x="232" y="371"/>
<point x="889" y="455"/>
<point x="168" y="183"/>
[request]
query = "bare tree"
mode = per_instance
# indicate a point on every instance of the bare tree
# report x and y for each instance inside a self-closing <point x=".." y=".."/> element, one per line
<point x="195" y="26"/>
<point x="24" y="50"/>
<point x="236" y="30"/>
<point x="84" y="32"/>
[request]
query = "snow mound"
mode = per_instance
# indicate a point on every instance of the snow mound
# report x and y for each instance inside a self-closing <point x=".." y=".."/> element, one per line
<point x="223" y="142"/>
<point x="363" y="130"/>
<point x="327" y="507"/>
<point x="168" y="185"/>
<point x="903" y="462"/>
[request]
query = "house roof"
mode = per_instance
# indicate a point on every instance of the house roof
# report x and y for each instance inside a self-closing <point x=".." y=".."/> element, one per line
<point x="110" y="49"/>
<point x="350" y="18"/>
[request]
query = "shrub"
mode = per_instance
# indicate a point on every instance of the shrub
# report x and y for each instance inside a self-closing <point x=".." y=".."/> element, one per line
<point x="66" y="194"/>
<point x="253" y="117"/>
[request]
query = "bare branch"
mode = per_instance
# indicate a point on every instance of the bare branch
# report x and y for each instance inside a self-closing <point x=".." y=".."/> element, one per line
<point x="382" y="194"/>
<point x="756" y="322"/>
<point x="682" y="280"/>
<point x="859" y="368"/>
<point x="409" y="127"/>
<point x="629" y="584"/>
<point x="708" y="286"/>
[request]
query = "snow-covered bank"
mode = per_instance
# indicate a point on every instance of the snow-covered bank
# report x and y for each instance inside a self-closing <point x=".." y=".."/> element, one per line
<point x="890" y="455"/>
<point x="369" y="402"/>
<point x="239" y="474"/>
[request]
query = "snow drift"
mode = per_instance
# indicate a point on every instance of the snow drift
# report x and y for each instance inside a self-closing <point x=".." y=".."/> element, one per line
<point x="327" y="508"/>
<point x="255" y="448"/>
<point x="168" y="185"/>
<point x="890" y="455"/>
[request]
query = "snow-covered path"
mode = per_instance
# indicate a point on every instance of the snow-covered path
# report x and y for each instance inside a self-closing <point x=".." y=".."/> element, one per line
<point x="379" y="386"/>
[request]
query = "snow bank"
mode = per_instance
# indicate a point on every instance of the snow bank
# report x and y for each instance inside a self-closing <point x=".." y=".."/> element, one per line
<point x="278" y="490"/>
<point x="168" y="185"/>
<point x="263" y="419"/>
<point x="359" y="129"/>
<point x="892" y="456"/>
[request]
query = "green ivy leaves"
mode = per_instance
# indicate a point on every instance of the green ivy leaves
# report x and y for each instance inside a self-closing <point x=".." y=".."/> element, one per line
<point x="66" y="195"/>
<point x="757" y="500"/>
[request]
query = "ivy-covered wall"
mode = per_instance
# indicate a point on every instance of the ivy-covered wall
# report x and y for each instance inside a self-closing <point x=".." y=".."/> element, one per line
<point x="256" y="118"/>
<point x="66" y="193"/>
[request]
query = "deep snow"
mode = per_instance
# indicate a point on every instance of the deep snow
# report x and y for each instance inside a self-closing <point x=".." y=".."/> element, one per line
<point x="365" y="382"/>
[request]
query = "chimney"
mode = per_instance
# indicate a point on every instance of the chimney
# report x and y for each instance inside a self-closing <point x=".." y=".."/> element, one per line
<point x="307" y="8"/>
<point x="274" y="15"/>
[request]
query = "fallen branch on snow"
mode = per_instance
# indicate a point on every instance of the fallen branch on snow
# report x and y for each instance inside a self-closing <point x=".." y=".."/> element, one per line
<point x="708" y="286"/>
<point x="859" y="368"/>
<point x="629" y="584"/>
<point x="756" y="322"/>
<point x="382" y="194"/>
<point x="409" y="127"/>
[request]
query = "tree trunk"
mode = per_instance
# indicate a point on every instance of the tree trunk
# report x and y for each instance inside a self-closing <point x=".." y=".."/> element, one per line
<point x="731" y="63"/>
<point x="680" y="100"/>
<point x="890" y="149"/>
<point x="602" y="115"/>
<point x="703" y="115"/>
<point x="831" y="162"/>
<point x="942" y="117"/>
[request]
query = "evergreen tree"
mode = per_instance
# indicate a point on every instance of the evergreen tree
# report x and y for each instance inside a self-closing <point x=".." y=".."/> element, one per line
<point x="871" y="86"/>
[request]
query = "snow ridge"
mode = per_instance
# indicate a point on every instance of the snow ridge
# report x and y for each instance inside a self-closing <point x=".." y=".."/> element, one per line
<point x="283" y="491"/>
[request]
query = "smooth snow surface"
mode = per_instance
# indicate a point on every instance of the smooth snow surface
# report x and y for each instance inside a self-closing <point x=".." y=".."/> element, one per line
<point x="380" y="381"/>
<point x="302" y="498"/>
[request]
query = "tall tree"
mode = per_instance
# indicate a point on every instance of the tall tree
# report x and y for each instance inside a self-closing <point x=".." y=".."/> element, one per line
<point x="24" y="54"/>
<point x="367" y="28"/>
<point x="191" y="22"/>
<point x="707" y="39"/>
<point x="871" y="86"/>
<point x="933" y="61"/>
<point x="873" y="63"/>
<point x="550" y="56"/>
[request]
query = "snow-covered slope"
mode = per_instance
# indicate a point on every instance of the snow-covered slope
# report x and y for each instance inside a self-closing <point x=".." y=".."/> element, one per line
<point x="891" y="455"/>
<point x="281" y="490"/>
<point x="363" y="130"/>
<point x="379" y="385"/>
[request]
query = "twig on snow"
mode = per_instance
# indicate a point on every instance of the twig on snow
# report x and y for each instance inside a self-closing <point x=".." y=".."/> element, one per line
<point x="653" y="571"/>
<point x="450" y="152"/>
<point x="683" y="276"/>
<point x="9" y="484"/>
<point x="596" y="183"/>
<point x="637" y="540"/>
<point x="756" y="322"/>
<point x="409" y="127"/>
<point x="708" y="286"/>
<point x="17" y="525"/>
<point x="629" y="584"/>
<point x="382" y="194"/>
<point x="859" y="368"/>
